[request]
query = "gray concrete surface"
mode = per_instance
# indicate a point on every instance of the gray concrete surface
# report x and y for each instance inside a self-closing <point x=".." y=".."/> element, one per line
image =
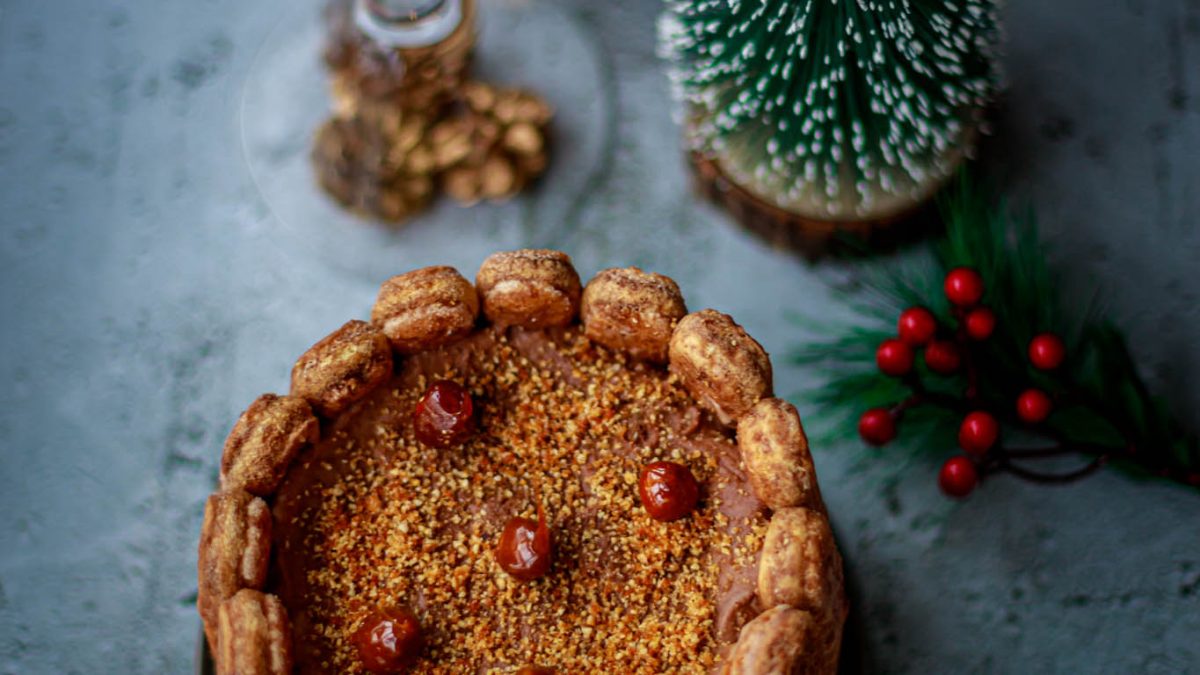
<point x="149" y="290"/>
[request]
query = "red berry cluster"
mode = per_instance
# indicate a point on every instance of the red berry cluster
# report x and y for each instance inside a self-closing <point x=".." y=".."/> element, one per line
<point x="945" y="351"/>
<point x="918" y="329"/>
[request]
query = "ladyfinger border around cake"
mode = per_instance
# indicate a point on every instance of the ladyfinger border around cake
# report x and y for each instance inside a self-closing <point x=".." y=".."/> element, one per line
<point x="627" y="310"/>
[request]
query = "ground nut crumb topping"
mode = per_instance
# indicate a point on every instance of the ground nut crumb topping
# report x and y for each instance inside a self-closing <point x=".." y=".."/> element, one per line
<point x="371" y="517"/>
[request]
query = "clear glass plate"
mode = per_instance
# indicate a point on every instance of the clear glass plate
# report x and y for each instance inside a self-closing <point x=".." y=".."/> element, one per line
<point x="530" y="44"/>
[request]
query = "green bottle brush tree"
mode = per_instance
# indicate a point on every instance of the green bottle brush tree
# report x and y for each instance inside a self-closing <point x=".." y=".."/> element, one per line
<point x="842" y="111"/>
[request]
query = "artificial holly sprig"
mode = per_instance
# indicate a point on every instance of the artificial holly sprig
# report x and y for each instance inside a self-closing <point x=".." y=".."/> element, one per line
<point x="983" y="352"/>
<point x="979" y="431"/>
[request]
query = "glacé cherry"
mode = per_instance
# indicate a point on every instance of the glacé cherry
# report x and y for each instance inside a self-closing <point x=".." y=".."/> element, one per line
<point x="389" y="641"/>
<point x="668" y="490"/>
<point x="445" y="415"/>
<point x="525" y="550"/>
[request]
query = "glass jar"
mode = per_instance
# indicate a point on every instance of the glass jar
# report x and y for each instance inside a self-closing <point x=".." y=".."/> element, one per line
<point x="409" y="53"/>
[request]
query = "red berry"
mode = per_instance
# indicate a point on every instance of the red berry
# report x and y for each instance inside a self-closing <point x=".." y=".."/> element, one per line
<point x="978" y="432"/>
<point x="916" y="326"/>
<point x="942" y="357"/>
<point x="877" y="426"/>
<point x="1047" y="351"/>
<point x="894" y="357"/>
<point x="668" y="490"/>
<point x="445" y="416"/>
<point x="1033" y="406"/>
<point x="963" y="286"/>
<point x="388" y="641"/>
<point x="980" y="323"/>
<point x="958" y="477"/>
<point x="525" y="550"/>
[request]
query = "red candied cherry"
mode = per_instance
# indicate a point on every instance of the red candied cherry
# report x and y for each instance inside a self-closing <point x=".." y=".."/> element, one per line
<point x="894" y="357"/>
<point x="963" y="286"/>
<point x="958" y="477"/>
<point x="1033" y="406"/>
<point x="1047" y="351"/>
<point x="942" y="357"/>
<point x="389" y="641"/>
<point x="916" y="326"/>
<point x="877" y="426"/>
<point x="525" y="550"/>
<point x="534" y="670"/>
<point x="668" y="490"/>
<point x="980" y="323"/>
<point x="978" y="432"/>
<point x="445" y="415"/>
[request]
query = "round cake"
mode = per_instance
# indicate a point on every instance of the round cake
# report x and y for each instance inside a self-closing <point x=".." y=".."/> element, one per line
<point x="523" y="475"/>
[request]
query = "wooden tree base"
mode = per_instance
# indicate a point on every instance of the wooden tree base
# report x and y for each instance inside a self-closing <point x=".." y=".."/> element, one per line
<point x="809" y="237"/>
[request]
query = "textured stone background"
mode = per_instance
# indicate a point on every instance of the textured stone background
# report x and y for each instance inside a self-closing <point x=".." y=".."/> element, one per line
<point x="149" y="292"/>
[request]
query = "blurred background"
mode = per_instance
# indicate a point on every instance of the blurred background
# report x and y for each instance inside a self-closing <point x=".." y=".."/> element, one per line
<point x="161" y="265"/>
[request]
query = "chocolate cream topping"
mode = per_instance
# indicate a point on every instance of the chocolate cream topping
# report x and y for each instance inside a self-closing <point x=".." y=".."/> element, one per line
<point x="369" y="517"/>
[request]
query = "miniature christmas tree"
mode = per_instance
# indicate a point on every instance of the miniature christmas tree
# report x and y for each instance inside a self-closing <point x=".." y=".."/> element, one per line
<point x="837" y="110"/>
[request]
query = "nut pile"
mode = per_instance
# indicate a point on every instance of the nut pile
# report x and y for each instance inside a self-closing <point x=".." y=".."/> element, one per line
<point x="410" y="123"/>
<point x="387" y="162"/>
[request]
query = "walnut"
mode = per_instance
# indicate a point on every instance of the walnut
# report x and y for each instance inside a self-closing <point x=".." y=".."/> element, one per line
<point x="632" y="311"/>
<point x="254" y="636"/>
<point x="342" y="368"/>
<point x="235" y="543"/>
<point x="425" y="308"/>
<point x="529" y="287"/>
<point x="780" y="641"/>
<point x="775" y="451"/>
<point x="724" y="368"/>
<point x="800" y="565"/>
<point x="264" y="441"/>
